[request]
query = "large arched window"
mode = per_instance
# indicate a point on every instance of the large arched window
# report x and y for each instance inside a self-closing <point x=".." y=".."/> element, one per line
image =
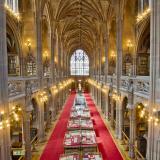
<point x="79" y="63"/>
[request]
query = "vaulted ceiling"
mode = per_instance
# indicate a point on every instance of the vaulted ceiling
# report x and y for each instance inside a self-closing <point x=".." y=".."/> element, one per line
<point x="79" y="22"/>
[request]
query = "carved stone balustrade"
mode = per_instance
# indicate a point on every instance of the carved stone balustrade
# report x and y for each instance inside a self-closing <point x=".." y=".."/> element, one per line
<point x="102" y="79"/>
<point x="16" y="86"/>
<point x="140" y="84"/>
<point x="109" y="79"/>
<point x="124" y="84"/>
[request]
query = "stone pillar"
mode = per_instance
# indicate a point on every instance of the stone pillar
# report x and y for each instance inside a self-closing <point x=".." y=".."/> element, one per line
<point x="39" y="44"/>
<point x="106" y="54"/>
<point x="119" y="22"/>
<point x="48" y="105"/>
<point x="5" y="133"/>
<point x="130" y="106"/>
<point x="120" y="121"/>
<point x="41" y="130"/>
<point x="27" y="139"/>
<point x="26" y="120"/>
<point x="53" y="42"/>
<point x="59" y="58"/>
<point x="39" y="70"/>
<point x="132" y="133"/>
<point x="53" y="110"/>
<point x="153" y="152"/>
<point x="112" y="112"/>
<point x="100" y="73"/>
<point x="117" y="119"/>
<point x="106" y="105"/>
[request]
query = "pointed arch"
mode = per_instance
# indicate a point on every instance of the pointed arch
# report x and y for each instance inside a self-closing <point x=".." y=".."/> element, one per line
<point x="79" y="63"/>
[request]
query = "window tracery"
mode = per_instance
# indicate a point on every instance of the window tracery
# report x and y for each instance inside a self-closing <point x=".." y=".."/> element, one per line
<point x="79" y="63"/>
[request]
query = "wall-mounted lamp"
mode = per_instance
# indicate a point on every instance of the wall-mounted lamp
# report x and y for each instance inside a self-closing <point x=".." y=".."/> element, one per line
<point x="55" y="60"/>
<point x="46" y="55"/>
<point x="28" y="44"/>
<point x="129" y="45"/>
<point x="16" y="113"/>
<point x="103" y="59"/>
<point x="43" y="97"/>
<point x="116" y="97"/>
<point x="3" y="121"/>
<point x="113" y="55"/>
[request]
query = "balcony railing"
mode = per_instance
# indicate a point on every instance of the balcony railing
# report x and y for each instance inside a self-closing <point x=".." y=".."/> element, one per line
<point x="16" y="85"/>
<point x="109" y="79"/>
<point x="140" y="84"/>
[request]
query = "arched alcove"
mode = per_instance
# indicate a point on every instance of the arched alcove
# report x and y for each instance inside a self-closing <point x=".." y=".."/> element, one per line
<point x="13" y="53"/>
<point x="143" y="52"/>
<point x="46" y="38"/>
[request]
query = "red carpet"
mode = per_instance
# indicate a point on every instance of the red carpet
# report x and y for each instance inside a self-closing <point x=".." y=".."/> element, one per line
<point x="106" y="144"/>
<point x="54" y="146"/>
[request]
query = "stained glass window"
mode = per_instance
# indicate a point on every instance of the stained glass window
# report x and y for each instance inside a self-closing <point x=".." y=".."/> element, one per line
<point x="79" y="63"/>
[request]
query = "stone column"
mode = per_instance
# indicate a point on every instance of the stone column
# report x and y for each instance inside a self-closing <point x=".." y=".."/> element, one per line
<point x="39" y="69"/>
<point x="120" y="121"/>
<point x="106" y="41"/>
<point x="132" y="133"/>
<point x="59" y="58"/>
<point x="112" y="112"/>
<point x="53" y="110"/>
<point x="5" y="133"/>
<point x="53" y="42"/>
<point x="117" y="119"/>
<point x="130" y="106"/>
<point x="153" y="152"/>
<point x="41" y="131"/>
<point x="27" y="139"/>
<point x="106" y="105"/>
<point x="119" y="22"/>
<point x="100" y="73"/>
<point x="39" y="44"/>
<point x="48" y="105"/>
<point x="26" y="120"/>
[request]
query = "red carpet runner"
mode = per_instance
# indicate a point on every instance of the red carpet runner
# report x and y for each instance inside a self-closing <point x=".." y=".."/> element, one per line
<point x="106" y="144"/>
<point x="54" y="146"/>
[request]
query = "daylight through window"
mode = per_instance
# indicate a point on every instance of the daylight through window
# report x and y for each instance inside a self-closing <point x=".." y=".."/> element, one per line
<point x="79" y="63"/>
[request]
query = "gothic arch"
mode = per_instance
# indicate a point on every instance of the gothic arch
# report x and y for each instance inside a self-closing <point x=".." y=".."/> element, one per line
<point x="12" y="26"/>
<point x="143" y="49"/>
<point x="14" y="47"/>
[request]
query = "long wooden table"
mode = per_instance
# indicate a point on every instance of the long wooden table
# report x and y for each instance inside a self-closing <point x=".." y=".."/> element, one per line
<point x="70" y="157"/>
<point x="83" y="124"/>
<point x="80" y="114"/>
<point x="80" y="137"/>
<point x="86" y="156"/>
<point x="80" y="140"/>
<point x="72" y="141"/>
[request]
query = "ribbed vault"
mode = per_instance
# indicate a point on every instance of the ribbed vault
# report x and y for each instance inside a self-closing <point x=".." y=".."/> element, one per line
<point x="79" y="22"/>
